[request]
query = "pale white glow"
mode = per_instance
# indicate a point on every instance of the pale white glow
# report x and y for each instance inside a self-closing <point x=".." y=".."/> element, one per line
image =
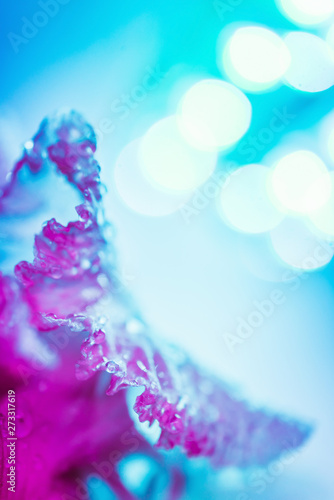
<point x="326" y="136"/>
<point x="312" y="62"/>
<point x="29" y="145"/>
<point x="171" y="162"/>
<point x="213" y="115"/>
<point x="323" y="218"/>
<point x="255" y="58"/>
<point x="244" y="200"/>
<point x="308" y="12"/>
<point x="300" y="182"/>
<point x="135" y="190"/>
<point x="296" y="245"/>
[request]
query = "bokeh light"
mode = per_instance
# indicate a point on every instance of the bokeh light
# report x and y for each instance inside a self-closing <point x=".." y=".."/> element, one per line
<point x="326" y="136"/>
<point x="137" y="192"/>
<point x="307" y="12"/>
<point x="170" y="162"/>
<point x="244" y="201"/>
<point x="323" y="218"/>
<point x="297" y="246"/>
<point x="255" y="58"/>
<point x="214" y="114"/>
<point x="312" y="62"/>
<point x="300" y="182"/>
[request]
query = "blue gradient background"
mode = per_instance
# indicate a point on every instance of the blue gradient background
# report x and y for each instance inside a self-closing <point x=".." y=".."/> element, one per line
<point x="190" y="280"/>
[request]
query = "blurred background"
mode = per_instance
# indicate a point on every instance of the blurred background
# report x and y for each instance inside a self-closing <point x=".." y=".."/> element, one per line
<point x="216" y="141"/>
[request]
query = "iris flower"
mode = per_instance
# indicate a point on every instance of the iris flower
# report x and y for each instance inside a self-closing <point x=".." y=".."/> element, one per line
<point x="71" y="339"/>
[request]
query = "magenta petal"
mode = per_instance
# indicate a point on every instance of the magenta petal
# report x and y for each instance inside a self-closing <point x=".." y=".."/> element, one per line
<point x="194" y="410"/>
<point x="69" y="295"/>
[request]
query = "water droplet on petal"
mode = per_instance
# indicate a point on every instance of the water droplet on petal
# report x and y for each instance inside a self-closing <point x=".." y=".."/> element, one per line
<point x="99" y="336"/>
<point x="112" y="367"/>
